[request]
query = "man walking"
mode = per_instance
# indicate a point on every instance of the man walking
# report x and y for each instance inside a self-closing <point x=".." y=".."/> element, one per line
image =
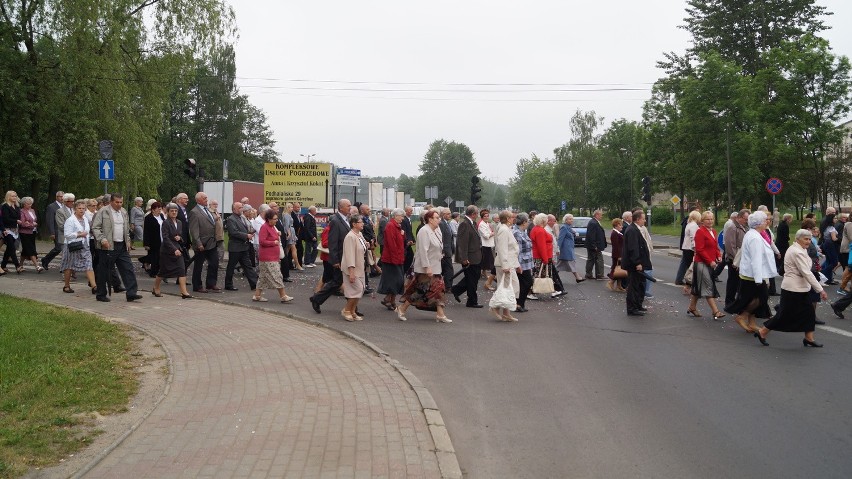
<point x="111" y="229"/>
<point x="182" y="200"/>
<point x="635" y="258"/>
<point x="202" y="230"/>
<point x="309" y="235"/>
<point x="50" y="221"/>
<point x="469" y="255"/>
<point x="240" y="235"/>
<point x="449" y="247"/>
<point x="595" y="244"/>
<point x="297" y="227"/>
<point x="338" y="229"/>
<point x="409" y="239"/>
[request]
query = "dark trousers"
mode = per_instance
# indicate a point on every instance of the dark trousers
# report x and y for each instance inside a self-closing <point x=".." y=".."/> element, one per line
<point x="685" y="261"/>
<point x="57" y="248"/>
<point x="733" y="284"/>
<point x="447" y="272"/>
<point x="10" y="253"/>
<point x="329" y="287"/>
<point x="310" y="252"/>
<point x="635" y="290"/>
<point x="831" y="259"/>
<point x="409" y="259"/>
<point x="469" y="285"/>
<point x="557" y="281"/>
<point x="842" y="303"/>
<point x="525" y="279"/>
<point x="96" y="253"/>
<point x="243" y="258"/>
<point x="594" y="262"/>
<point x="285" y="264"/>
<point x="211" y="257"/>
<point x="108" y="261"/>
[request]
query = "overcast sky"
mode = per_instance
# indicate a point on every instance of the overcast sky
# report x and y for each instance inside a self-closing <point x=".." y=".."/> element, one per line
<point x="371" y="84"/>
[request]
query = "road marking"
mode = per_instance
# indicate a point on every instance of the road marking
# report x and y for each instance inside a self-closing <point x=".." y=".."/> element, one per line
<point x="839" y="331"/>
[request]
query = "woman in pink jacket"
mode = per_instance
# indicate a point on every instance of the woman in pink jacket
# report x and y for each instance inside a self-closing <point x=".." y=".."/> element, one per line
<point x="269" y="270"/>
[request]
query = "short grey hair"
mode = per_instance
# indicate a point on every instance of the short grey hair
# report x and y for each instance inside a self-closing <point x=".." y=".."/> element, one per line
<point x="540" y="219"/>
<point x="137" y="199"/>
<point x="261" y="210"/>
<point x="802" y="233"/>
<point x="397" y="212"/>
<point x="471" y="210"/>
<point x="756" y="219"/>
<point x="68" y="197"/>
<point x="568" y="216"/>
<point x="627" y="215"/>
<point x="787" y="216"/>
<point x="521" y="218"/>
<point x="27" y="200"/>
<point x="171" y="206"/>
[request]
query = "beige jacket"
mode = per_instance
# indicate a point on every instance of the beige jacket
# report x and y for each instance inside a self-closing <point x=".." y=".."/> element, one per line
<point x="354" y="249"/>
<point x="505" y="249"/>
<point x="797" y="271"/>
<point x="102" y="228"/>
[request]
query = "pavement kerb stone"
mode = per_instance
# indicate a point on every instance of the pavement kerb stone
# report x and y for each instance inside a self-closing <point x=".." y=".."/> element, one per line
<point x="444" y="450"/>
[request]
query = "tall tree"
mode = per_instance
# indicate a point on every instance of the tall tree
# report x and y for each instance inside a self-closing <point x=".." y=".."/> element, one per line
<point x="449" y="166"/>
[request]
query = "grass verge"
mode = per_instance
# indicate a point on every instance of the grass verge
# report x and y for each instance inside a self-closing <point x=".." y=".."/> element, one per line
<point x="57" y="367"/>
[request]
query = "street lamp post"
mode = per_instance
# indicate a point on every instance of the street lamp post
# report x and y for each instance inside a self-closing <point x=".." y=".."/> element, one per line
<point x="624" y="151"/>
<point x="719" y="114"/>
<point x="307" y="157"/>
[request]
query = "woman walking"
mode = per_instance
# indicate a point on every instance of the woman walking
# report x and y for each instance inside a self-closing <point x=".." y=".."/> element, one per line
<point x="486" y="236"/>
<point x="706" y="256"/>
<point x="152" y="238"/>
<point x="757" y="264"/>
<point x="795" y="314"/>
<point x="542" y="249"/>
<point x="506" y="262"/>
<point x="426" y="289"/>
<point x="353" y="264"/>
<point x="11" y="216"/>
<point x="27" y="232"/>
<point x="525" y="260"/>
<point x="392" y="281"/>
<point x="688" y="247"/>
<point x="170" y="263"/>
<point x="616" y="237"/>
<point x="567" y="236"/>
<point x="75" y="252"/>
<point x="269" y="269"/>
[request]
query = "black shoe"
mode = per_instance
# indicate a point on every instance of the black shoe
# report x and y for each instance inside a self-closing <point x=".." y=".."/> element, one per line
<point x="133" y="298"/>
<point x="315" y="305"/>
<point x="812" y="344"/>
<point x="636" y="312"/>
<point x="457" y="298"/>
<point x="761" y="339"/>
<point x="474" y="306"/>
<point x="643" y="308"/>
<point x="359" y="313"/>
<point x="832" y="282"/>
<point x="288" y="280"/>
<point x="599" y="278"/>
<point x="837" y="312"/>
<point x="819" y="321"/>
<point x="521" y="309"/>
<point x="367" y="291"/>
<point x="118" y="289"/>
<point x="231" y="288"/>
<point x="103" y="299"/>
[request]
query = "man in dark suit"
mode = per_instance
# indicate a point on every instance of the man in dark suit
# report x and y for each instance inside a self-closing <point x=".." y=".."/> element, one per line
<point x="449" y="247"/>
<point x="338" y="229"/>
<point x="369" y="234"/>
<point x="240" y="234"/>
<point x="635" y="259"/>
<point x="202" y="230"/>
<point x="297" y="226"/>
<point x="50" y="223"/>
<point x="309" y="236"/>
<point x="182" y="200"/>
<point x="595" y="244"/>
<point x="409" y="238"/>
<point x="469" y="254"/>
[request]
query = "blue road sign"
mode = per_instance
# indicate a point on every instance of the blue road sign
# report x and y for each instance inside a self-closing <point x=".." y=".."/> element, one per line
<point x="106" y="170"/>
<point x="564" y="205"/>
<point x="348" y="172"/>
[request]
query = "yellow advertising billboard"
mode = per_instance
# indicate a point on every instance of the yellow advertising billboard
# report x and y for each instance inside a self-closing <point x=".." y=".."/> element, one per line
<point x="306" y="183"/>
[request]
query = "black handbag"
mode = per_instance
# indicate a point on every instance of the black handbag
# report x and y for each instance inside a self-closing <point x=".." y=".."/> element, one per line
<point x="75" y="246"/>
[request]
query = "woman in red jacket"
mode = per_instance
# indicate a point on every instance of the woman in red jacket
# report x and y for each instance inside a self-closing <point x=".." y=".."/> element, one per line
<point x="542" y="250"/>
<point x="392" y="281"/>
<point x="706" y="258"/>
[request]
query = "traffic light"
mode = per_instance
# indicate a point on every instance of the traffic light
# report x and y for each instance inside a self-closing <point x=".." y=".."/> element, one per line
<point x="190" y="168"/>
<point x="646" y="189"/>
<point x="474" y="190"/>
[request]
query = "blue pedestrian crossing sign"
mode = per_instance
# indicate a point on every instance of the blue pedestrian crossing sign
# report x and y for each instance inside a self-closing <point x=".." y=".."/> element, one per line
<point x="106" y="170"/>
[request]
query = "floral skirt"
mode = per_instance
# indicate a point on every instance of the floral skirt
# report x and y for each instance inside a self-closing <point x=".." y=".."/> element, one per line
<point x="425" y="292"/>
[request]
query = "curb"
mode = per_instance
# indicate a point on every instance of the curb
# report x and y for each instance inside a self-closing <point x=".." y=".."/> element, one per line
<point x="444" y="450"/>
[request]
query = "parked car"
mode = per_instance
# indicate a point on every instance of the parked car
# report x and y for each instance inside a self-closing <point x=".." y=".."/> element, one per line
<point x="580" y="225"/>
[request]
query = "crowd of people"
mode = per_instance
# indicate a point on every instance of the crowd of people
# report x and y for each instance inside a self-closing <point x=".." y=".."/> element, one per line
<point x="518" y="255"/>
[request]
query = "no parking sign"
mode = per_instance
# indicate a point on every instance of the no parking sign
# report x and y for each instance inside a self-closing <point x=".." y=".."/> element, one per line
<point x="774" y="186"/>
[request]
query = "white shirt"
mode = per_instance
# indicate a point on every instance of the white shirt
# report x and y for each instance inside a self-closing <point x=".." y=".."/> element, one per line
<point x="117" y="225"/>
<point x="758" y="260"/>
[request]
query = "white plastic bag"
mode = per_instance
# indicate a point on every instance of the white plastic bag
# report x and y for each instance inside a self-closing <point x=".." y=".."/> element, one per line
<point x="504" y="296"/>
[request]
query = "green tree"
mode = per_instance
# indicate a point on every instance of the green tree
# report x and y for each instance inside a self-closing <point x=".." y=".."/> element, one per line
<point x="449" y="166"/>
<point x="574" y="160"/>
<point x="533" y="186"/>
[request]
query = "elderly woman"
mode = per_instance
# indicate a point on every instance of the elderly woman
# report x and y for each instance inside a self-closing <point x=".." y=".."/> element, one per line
<point x="706" y="257"/>
<point x="137" y="218"/>
<point x="542" y="249"/>
<point x="352" y="263"/>
<point x="688" y="247"/>
<point x="75" y="253"/>
<point x="506" y="263"/>
<point x="616" y="238"/>
<point x="170" y="263"/>
<point x="525" y="260"/>
<point x="27" y="231"/>
<point x="567" y="235"/>
<point x="10" y="213"/>
<point x="486" y="236"/>
<point x="152" y="239"/>
<point x="426" y="290"/>
<point x="795" y="313"/>
<point x="392" y="281"/>
<point x="757" y="264"/>
<point x="269" y="268"/>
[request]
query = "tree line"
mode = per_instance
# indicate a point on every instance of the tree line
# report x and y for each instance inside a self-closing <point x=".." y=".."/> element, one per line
<point x="155" y="77"/>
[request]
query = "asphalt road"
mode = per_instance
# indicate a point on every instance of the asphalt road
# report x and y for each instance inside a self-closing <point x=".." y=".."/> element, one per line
<point x="578" y="389"/>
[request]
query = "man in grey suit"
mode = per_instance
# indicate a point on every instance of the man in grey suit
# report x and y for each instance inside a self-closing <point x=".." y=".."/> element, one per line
<point x="202" y="230"/>
<point x="339" y="228"/>
<point x="50" y="223"/>
<point x="240" y="234"/>
<point x="111" y="229"/>
<point x="469" y="254"/>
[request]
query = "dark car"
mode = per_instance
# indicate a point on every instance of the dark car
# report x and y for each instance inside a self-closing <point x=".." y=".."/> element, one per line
<point x="580" y="225"/>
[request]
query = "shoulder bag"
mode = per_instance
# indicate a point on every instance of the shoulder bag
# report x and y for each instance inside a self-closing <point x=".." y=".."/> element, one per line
<point x="543" y="283"/>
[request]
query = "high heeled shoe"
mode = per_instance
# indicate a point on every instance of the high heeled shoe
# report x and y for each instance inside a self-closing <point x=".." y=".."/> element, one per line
<point x="443" y="319"/>
<point x="388" y="304"/>
<point x="20" y="269"/>
<point x="761" y="339"/>
<point x="157" y="294"/>
<point x="718" y="315"/>
<point x="812" y="344"/>
<point x="347" y="316"/>
<point x="693" y="313"/>
<point x="400" y="315"/>
<point x="186" y="296"/>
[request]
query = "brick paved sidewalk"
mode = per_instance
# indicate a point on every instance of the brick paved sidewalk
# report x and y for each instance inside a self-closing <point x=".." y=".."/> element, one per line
<point x="254" y="394"/>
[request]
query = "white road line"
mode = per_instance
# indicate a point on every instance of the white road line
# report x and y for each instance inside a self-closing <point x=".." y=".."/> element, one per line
<point x="839" y="331"/>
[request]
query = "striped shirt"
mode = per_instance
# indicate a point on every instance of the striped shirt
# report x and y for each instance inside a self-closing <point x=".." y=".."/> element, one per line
<point x="525" y="257"/>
